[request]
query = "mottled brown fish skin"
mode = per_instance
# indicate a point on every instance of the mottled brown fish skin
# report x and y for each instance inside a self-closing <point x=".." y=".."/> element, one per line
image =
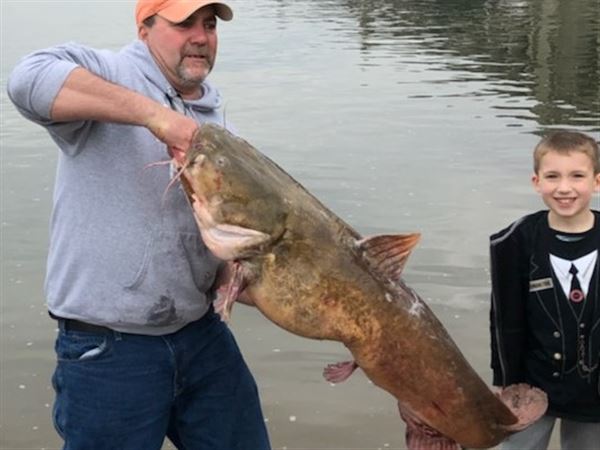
<point x="312" y="279"/>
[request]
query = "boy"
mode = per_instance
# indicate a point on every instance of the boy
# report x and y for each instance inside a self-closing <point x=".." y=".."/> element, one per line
<point x="545" y="314"/>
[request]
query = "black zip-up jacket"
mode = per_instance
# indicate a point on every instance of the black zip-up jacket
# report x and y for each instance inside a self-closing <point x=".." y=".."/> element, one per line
<point x="534" y="333"/>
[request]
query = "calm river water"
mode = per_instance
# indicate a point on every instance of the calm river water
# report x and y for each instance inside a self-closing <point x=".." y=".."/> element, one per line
<point x="399" y="115"/>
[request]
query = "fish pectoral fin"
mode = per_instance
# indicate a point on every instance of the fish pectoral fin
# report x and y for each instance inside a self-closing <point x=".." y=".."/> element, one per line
<point x="230" y="291"/>
<point x="338" y="372"/>
<point x="420" y="436"/>
<point x="388" y="253"/>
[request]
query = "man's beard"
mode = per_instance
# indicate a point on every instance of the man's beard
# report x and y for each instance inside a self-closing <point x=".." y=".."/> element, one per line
<point x="191" y="77"/>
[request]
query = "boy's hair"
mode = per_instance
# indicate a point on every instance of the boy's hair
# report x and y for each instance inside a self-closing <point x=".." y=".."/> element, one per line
<point x="565" y="142"/>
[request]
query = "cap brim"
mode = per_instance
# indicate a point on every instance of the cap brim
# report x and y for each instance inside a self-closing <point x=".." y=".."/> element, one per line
<point x="178" y="12"/>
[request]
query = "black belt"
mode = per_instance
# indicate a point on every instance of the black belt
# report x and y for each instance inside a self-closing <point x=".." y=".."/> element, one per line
<point x="77" y="325"/>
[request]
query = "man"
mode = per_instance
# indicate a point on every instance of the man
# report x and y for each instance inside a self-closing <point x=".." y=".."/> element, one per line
<point x="141" y="354"/>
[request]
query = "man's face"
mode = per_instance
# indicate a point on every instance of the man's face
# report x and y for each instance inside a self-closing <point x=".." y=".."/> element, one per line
<point x="185" y="51"/>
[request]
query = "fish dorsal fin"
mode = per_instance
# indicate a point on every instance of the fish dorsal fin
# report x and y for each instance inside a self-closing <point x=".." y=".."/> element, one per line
<point x="388" y="253"/>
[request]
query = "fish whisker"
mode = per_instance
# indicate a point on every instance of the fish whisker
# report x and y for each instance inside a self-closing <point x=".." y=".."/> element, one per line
<point x="157" y="164"/>
<point x="176" y="177"/>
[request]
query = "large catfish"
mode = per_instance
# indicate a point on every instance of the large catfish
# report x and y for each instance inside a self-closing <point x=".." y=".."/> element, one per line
<point x="312" y="274"/>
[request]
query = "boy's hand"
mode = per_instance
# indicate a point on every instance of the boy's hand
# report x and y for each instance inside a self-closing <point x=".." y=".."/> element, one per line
<point x="497" y="391"/>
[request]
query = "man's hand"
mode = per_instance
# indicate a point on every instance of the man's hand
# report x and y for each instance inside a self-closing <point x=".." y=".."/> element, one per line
<point x="174" y="129"/>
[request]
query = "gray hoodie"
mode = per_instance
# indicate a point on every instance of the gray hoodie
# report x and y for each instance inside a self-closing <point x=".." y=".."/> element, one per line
<point x="124" y="252"/>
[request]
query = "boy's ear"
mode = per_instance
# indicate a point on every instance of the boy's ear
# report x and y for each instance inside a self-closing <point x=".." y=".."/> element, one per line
<point x="535" y="181"/>
<point x="597" y="187"/>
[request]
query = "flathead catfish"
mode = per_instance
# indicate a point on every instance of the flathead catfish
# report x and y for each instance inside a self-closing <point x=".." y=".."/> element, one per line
<point x="315" y="276"/>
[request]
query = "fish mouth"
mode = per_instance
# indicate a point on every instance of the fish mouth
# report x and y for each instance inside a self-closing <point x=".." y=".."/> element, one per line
<point x="226" y="241"/>
<point x="231" y="243"/>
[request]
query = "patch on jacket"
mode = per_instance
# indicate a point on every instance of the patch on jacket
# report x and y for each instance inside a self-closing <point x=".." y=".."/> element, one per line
<point x="541" y="284"/>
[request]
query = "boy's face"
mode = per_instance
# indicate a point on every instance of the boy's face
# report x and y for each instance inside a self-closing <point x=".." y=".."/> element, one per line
<point x="566" y="183"/>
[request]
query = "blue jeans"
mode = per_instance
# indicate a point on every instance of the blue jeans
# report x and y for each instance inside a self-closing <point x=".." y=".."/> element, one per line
<point x="573" y="435"/>
<point x="119" y="391"/>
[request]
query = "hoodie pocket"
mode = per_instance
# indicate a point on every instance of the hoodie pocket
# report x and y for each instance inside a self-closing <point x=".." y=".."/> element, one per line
<point x="174" y="260"/>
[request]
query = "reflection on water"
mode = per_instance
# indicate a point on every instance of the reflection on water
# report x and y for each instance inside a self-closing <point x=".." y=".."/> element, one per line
<point x="543" y="50"/>
<point x="399" y="115"/>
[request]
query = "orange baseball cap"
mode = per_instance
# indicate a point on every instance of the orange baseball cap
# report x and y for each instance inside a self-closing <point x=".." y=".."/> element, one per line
<point x="177" y="10"/>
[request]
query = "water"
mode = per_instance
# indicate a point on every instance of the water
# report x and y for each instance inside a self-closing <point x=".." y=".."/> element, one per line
<point x="399" y="115"/>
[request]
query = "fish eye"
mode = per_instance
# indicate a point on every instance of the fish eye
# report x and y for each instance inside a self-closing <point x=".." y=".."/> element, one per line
<point x="221" y="161"/>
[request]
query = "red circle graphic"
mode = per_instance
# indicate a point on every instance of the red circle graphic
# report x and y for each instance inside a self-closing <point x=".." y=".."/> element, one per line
<point x="576" y="296"/>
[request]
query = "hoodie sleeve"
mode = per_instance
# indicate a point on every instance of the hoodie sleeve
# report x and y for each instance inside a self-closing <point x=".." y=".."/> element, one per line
<point x="36" y="80"/>
<point x="508" y="318"/>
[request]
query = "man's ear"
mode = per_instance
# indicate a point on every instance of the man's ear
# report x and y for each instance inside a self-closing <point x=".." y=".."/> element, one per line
<point x="142" y="32"/>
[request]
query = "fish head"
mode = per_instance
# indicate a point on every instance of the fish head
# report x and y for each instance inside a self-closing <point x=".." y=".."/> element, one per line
<point x="235" y="198"/>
